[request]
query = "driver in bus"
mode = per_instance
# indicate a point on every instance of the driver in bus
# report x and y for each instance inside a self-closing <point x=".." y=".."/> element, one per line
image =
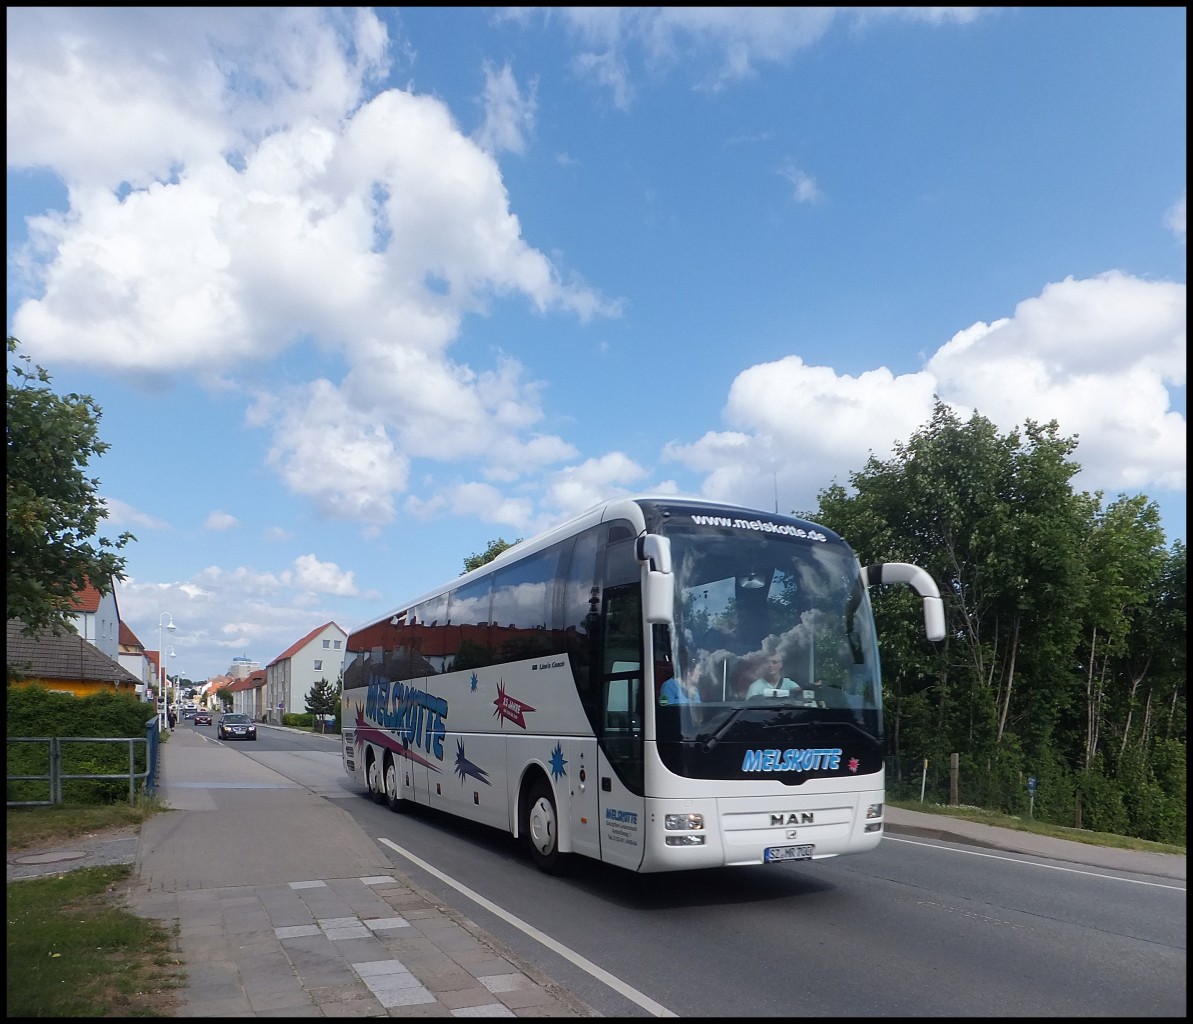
<point x="772" y="682"/>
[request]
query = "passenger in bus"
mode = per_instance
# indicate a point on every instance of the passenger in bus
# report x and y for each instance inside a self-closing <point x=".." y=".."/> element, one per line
<point x="772" y="680"/>
<point x="683" y="688"/>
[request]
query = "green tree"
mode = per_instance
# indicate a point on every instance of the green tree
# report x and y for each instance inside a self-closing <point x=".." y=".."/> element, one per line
<point x="475" y="561"/>
<point x="1064" y="655"/>
<point x="54" y="509"/>
<point x="994" y="519"/>
<point x="322" y="700"/>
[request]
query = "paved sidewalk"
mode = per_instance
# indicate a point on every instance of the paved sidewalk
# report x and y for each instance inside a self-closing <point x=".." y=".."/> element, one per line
<point x="286" y="907"/>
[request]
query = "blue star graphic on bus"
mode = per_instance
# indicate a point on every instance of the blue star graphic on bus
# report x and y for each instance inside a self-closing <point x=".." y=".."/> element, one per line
<point x="465" y="768"/>
<point x="557" y="762"/>
<point x="472" y="682"/>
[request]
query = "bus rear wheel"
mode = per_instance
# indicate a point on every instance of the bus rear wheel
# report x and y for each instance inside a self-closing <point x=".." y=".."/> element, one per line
<point x="395" y="802"/>
<point x="542" y="827"/>
<point x="374" y="781"/>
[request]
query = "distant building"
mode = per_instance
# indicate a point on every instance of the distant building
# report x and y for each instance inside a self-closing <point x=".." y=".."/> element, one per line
<point x="248" y="695"/>
<point x="242" y="667"/>
<point x="294" y="673"/>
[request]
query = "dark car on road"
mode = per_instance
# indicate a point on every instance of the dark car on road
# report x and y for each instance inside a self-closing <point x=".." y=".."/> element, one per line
<point x="202" y="718"/>
<point x="237" y="727"/>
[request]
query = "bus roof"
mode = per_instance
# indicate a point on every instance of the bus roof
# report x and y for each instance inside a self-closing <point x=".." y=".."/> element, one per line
<point x="638" y="508"/>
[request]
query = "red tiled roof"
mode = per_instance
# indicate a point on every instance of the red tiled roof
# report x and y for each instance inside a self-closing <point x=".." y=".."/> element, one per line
<point x="294" y="648"/>
<point x="252" y="681"/>
<point x="87" y="599"/>
<point x="128" y="637"/>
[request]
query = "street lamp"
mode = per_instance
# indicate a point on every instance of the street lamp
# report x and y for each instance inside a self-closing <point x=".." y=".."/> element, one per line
<point x="161" y="665"/>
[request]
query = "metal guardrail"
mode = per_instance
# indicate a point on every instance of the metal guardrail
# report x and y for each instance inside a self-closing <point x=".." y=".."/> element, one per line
<point x="56" y="776"/>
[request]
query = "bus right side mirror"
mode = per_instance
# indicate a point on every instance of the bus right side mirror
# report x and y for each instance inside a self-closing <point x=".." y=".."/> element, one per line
<point x="922" y="583"/>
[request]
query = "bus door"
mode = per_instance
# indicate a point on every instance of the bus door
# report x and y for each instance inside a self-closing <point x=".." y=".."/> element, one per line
<point x="620" y="779"/>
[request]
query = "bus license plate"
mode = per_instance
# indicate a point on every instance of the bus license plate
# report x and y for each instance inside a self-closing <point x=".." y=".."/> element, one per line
<point x="778" y="854"/>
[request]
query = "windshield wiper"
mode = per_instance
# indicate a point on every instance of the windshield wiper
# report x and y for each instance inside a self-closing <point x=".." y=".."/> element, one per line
<point x="722" y="729"/>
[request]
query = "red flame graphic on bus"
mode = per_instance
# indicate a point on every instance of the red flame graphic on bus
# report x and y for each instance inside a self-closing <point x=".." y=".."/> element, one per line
<point x="510" y="708"/>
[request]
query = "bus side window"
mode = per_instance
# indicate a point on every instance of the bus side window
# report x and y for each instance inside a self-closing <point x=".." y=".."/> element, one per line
<point x="622" y="714"/>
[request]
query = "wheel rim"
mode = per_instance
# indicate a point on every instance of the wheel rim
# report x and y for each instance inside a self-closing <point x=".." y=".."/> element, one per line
<point x="542" y="826"/>
<point x="391" y="782"/>
<point x="374" y="780"/>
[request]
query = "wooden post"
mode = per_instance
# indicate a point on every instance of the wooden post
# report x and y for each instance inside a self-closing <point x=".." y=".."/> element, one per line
<point x="954" y="778"/>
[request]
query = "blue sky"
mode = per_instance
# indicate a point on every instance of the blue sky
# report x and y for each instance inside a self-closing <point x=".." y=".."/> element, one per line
<point x="361" y="290"/>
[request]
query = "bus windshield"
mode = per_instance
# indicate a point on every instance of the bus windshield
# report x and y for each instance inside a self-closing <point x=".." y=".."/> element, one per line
<point x="773" y="633"/>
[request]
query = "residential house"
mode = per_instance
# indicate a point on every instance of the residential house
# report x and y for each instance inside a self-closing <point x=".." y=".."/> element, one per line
<point x="135" y="658"/>
<point x="248" y="695"/>
<point x="317" y="657"/>
<point x="64" y="662"/>
<point x="97" y="619"/>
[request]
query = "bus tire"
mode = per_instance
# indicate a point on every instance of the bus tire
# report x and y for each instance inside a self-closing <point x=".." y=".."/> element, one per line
<point x="395" y="802"/>
<point x="542" y="827"/>
<point x="374" y="781"/>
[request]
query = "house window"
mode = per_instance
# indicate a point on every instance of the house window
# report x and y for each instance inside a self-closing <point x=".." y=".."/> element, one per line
<point x="338" y="642"/>
<point x="326" y="644"/>
<point x="318" y="664"/>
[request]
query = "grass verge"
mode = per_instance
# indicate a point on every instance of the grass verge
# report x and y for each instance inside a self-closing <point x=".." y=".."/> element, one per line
<point x="31" y="827"/>
<point x="74" y="950"/>
<point x="1074" y="835"/>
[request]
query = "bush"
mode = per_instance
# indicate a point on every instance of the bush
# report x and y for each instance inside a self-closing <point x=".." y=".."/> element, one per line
<point x="37" y="712"/>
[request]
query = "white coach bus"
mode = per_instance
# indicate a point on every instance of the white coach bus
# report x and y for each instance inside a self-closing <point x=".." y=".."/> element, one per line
<point x="532" y="694"/>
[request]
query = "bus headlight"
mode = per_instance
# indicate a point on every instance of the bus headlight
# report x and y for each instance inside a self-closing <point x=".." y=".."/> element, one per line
<point x="691" y="839"/>
<point x="873" y="811"/>
<point x="683" y="822"/>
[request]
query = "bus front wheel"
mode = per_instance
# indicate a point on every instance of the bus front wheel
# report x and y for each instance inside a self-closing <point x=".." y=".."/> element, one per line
<point x="542" y="827"/>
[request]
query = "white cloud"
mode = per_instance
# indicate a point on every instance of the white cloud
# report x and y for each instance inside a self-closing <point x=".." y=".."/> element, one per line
<point x="120" y="513"/>
<point x="1097" y="355"/>
<point x="727" y="44"/>
<point x="323" y="577"/>
<point x="803" y="186"/>
<point x="166" y="88"/>
<point x="369" y="230"/>
<point x="217" y="519"/>
<point x="575" y="488"/>
<point x="1174" y="219"/>
<point x="509" y="114"/>
<point x="794" y="426"/>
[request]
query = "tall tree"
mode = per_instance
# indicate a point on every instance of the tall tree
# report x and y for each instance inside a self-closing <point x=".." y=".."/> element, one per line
<point x="993" y="518"/>
<point x="54" y="510"/>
